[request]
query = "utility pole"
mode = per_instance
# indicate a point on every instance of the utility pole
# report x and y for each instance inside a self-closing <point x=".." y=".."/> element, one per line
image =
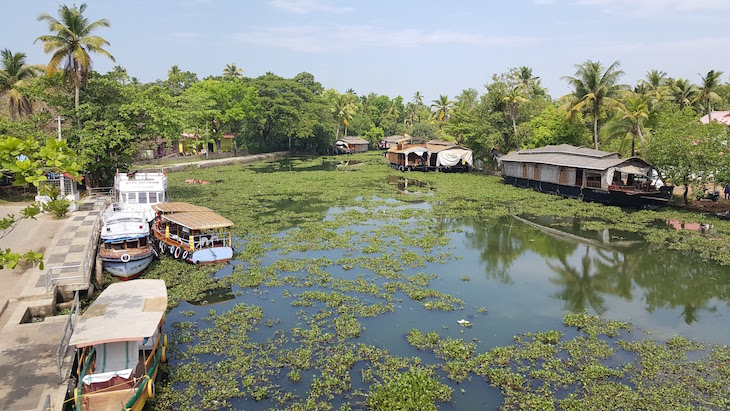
<point x="59" y="127"/>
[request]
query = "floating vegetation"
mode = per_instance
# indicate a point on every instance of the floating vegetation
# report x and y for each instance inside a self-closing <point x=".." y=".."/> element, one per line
<point x="329" y="265"/>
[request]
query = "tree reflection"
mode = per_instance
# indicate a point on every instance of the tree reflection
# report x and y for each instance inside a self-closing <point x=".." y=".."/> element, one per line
<point x="581" y="287"/>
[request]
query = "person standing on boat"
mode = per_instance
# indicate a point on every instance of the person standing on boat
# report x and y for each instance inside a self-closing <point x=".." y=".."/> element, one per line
<point x="727" y="191"/>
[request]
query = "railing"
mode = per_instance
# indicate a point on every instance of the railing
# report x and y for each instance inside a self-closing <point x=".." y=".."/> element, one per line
<point x="200" y="241"/>
<point x="99" y="191"/>
<point x="47" y="404"/>
<point x="68" y="331"/>
<point x="52" y="279"/>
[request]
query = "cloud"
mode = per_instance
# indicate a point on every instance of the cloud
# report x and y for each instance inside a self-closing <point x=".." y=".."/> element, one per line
<point x="308" y="6"/>
<point x="652" y="7"/>
<point x="315" y="39"/>
<point x="185" y="35"/>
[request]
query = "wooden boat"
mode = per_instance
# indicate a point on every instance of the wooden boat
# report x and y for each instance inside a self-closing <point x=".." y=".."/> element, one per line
<point x="119" y="347"/>
<point x="587" y="174"/>
<point x="350" y="145"/>
<point x="141" y="190"/>
<point x="434" y="155"/>
<point x="125" y="250"/>
<point x="192" y="233"/>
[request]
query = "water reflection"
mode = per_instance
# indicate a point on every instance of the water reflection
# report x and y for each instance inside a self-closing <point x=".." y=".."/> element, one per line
<point x="584" y="274"/>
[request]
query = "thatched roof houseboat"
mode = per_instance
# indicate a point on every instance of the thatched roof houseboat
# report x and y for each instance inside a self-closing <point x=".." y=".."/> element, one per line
<point x="588" y="174"/>
<point x="350" y="145"/>
<point x="434" y="155"/>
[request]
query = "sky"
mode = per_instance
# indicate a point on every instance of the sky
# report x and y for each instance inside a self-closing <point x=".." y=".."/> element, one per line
<point x="395" y="47"/>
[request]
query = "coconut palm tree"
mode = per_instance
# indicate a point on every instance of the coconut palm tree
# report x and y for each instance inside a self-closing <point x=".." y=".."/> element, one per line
<point x="443" y="107"/>
<point x="593" y="87"/>
<point x="232" y="72"/>
<point x="629" y="119"/>
<point x="13" y="75"/>
<point x="70" y="42"/>
<point x="707" y="90"/>
<point x="655" y="85"/>
<point x="418" y="98"/>
<point x="525" y="79"/>
<point x="683" y="92"/>
<point x="512" y="100"/>
<point x="343" y="110"/>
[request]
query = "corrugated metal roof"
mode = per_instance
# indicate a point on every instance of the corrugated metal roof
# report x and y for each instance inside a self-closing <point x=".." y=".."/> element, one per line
<point x="200" y="220"/>
<point x="565" y="155"/>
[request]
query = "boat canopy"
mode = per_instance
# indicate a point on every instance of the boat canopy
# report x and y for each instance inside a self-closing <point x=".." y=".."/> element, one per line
<point x="202" y="220"/>
<point x="454" y="156"/>
<point x="126" y="311"/>
<point x="179" y="208"/>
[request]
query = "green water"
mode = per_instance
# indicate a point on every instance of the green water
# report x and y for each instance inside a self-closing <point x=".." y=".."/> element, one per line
<point x="509" y="277"/>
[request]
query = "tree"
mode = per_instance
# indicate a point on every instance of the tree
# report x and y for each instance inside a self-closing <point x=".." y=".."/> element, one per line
<point x="525" y="79"/>
<point x="513" y="99"/>
<point x="550" y="128"/>
<point x="683" y="92"/>
<point x="629" y="118"/>
<point x="418" y="98"/>
<point x="179" y="81"/>
<point x="13" y="76"/>
<point x="707" y="91"/>
<point x="71" y="43"/>
<point x="686" y="151"/>
<point x="232" y="72"/>
<point x="656" y="86"/>
<point x="442" y="108"/>
<point x="593" y="87"/>
<point x="343" y="109"/>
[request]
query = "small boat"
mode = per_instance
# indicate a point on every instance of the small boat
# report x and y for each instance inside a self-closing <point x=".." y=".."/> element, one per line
<point x="125" y="249"/>
<point x="435" y="155"/>
<point x="119" y="347"/>
<point x="139" y="191"/>
<point x="587" y="174"/>
<point x="723" y="216"/>
<point x="192" y="233"/>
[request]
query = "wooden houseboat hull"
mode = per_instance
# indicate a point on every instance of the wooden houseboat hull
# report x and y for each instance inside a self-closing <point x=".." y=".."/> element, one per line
<point x="651" y="199"/>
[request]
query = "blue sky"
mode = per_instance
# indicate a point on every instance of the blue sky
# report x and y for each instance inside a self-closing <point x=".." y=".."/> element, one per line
<point x="396" y="47"/>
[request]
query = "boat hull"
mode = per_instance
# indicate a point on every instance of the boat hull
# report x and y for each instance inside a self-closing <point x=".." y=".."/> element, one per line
<point x="652" y="199"/>
<point x="127" y="270"/>
<point x="211" y="255"/>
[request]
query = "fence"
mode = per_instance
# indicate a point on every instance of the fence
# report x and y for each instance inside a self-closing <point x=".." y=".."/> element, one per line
<point x="47" y="404"/>
<point x="68" y="330"/>
<point x="99" y="191"/>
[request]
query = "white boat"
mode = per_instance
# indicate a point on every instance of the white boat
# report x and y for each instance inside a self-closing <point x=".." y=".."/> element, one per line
<point x="125" y="248"/>
<point x="141" y="190"/>
<point x="119" y="346"/>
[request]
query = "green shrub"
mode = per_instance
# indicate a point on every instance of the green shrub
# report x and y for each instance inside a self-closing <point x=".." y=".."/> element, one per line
<point x="59" y="208"/>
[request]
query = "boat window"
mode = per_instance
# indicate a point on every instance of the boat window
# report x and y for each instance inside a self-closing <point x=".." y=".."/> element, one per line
<point x="153" y="198"/>
<point x="143" y="241"/>
<point x="537" y="172"/>
<point x="579" y="177"/>
<point x="143" y="198"/>
<point x="563" y="176"/>
<point x="118" y="246"/>
<point x="132" y="198"/>
<point x="524" y="170"/>
<point x="124" y="197"/>
<point x="593" y="180"/>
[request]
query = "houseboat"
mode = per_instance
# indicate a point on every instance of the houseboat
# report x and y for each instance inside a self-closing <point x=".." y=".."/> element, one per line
<point x="350" y="145"/>
<point x="140" y="190"/>
<point x="125" y="249"/>
<point x="119" y="347"/>
<point x="434" y="155"/>
<point x="192" y="233"/>
<point x="587" y="174"/>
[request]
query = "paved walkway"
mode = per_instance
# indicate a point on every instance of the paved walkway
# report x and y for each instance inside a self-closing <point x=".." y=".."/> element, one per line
<point x="28" y="362"/>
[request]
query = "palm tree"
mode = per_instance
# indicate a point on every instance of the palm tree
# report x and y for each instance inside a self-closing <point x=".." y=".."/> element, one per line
<point x="512" y="101"/>
<point x="13" y="75"/>
<point x="394" y="108"/>
<point x="418" y="98"/>
<point x="683" y="92"/>
<point x="71" y="43"/>
<point x="629" y="118"/>
<point x="443" y="108"/>
<point x="707" y="90"/>
<point x="656" y="85"/>
<point x="232" y="72"/>
<point x="343" y="109"/>
<point x="593" y="87"/>
<point x="525" y="79"/>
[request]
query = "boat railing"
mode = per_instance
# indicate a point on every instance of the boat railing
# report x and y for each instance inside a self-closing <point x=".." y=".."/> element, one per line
<point x="68" y="330"/>
<point x="199" y="241"/>
<point x="53" y="274"/>
<point x="99" y="191"/>
<point x="47" y="404"/>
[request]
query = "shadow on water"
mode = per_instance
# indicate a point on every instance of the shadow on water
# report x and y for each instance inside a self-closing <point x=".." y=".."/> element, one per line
<point x="299" y="164"/>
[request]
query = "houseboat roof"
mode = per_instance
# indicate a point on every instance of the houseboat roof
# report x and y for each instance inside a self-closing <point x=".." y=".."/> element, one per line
<point x="199" y="220"/>
<point x="565" y="155"/>
<point x="435" y="146"/>
<point x="126" y="311"/>
<point x="177" y="207"/>
<point x="396" y="138"/>
<point x="418" y="149"/>
<point x="353" y="140"/>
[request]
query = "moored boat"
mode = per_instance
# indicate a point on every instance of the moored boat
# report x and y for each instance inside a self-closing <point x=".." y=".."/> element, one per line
<point x="119" y="347"/>
<point x="435" y="155"/>
<point x="587" y="174"/>
<point x="192" y="233"/>
<point x="125" y="249"/>
<point x="141" y="190"/>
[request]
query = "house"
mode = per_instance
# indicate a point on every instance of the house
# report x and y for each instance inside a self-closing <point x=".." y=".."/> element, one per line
<point x="67" y="188"/>
<point x="589" y="174"/>
<point x="719" y="116"/>
<point x="350" y="145"/>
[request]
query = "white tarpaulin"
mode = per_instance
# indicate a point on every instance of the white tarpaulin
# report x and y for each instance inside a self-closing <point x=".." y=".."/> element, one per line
<point x="609" y="175"/>
<point x="632" y="169"/>
<point x="450" y="158"/>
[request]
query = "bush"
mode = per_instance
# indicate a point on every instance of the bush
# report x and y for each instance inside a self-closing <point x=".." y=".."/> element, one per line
<point x="59" y="208"/>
